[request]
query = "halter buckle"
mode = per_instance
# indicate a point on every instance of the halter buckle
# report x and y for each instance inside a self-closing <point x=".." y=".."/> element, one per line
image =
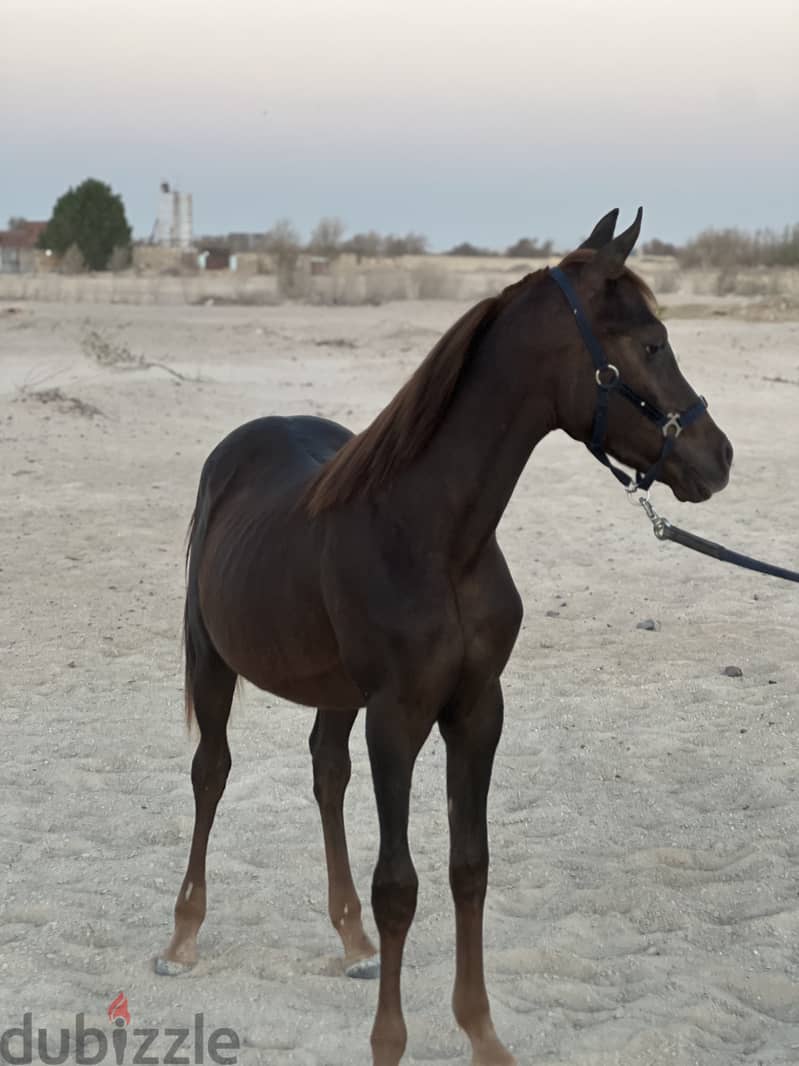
<point x="672" y="422"/>
<point x="614" y="381"/>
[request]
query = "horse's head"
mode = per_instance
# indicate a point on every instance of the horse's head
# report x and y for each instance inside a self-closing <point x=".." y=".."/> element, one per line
<point x="634" y="403"/>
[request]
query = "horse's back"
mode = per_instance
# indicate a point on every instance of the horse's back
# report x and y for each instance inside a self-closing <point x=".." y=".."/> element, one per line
<point x="274" y="453"/>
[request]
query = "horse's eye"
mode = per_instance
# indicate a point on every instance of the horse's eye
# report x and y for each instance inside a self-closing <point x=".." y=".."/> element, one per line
<point x="654" y="349"/>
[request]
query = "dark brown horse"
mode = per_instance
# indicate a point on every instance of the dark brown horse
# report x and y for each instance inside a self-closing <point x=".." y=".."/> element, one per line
<point x="344" y="571"/>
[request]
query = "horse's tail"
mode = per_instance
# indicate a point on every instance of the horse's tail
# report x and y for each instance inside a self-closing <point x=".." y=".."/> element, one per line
<point x="197" y="643"/>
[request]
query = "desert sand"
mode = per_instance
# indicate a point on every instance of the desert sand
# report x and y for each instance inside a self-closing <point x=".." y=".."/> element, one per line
<point x="643" y="904"/>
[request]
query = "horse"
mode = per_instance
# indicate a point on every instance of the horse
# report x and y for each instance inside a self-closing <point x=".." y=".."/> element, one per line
<point x="343" y="571"/>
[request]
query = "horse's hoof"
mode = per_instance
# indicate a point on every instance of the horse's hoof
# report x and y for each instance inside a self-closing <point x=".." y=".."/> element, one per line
<point x="364" y="969"/>
<point x="170" y="968"/>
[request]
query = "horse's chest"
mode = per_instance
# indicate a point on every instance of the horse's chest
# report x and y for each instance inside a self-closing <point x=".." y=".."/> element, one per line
<point x="490" y="625"/>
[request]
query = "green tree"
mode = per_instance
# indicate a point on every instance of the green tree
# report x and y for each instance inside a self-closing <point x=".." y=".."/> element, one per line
<point x="92" y="217"/>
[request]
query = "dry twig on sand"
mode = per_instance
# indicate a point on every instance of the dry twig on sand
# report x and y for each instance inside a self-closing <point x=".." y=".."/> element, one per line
<point x="119" y="357"/>
<point x="67" y="405"/>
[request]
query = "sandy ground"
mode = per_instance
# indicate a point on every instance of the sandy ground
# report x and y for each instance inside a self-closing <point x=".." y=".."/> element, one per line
<point x="644" y="897"/>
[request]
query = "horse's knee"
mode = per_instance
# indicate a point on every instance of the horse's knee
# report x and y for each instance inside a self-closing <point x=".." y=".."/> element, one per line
<point x="210" y="766"/>
<point x="394" y="891"/>
<point x="331" y="775"/>
<point x="468" y="878"/>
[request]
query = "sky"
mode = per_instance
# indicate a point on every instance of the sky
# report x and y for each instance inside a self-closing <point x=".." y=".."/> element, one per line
<point x="482" y="122"/>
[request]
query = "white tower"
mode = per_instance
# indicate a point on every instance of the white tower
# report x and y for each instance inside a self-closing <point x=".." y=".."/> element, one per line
<point x="174" y="225"/>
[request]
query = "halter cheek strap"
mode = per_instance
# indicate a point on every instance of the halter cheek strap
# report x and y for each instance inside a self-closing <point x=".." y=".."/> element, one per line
<point x="609" y="380"/>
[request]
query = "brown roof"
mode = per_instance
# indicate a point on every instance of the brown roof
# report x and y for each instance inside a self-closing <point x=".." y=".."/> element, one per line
<point x="23" y="236"/>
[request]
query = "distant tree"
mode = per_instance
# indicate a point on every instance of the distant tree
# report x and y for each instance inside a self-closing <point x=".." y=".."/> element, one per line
<point x="92" y="217"/>
<point x="410" y="244"/>
<point x="282" y="242"/>
<point x="529" y="248"/>
<point x="326" y="237"/>
<point x="657" y="247"/>
<point x="364" y="245"/>
<point x="394" y="246"/>
<point x="466" y="248"/>
<point x="415" y="244"/>
<point x="16" y="222"/>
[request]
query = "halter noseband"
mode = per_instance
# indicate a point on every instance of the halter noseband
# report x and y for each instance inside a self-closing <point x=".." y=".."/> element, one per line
<point x="609" y="380"/>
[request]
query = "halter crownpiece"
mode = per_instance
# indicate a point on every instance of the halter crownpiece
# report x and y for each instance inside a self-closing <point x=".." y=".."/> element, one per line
<point x="608" y="379"/>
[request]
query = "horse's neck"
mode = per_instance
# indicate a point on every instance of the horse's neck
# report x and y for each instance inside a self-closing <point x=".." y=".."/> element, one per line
<point x="473" y="463"/>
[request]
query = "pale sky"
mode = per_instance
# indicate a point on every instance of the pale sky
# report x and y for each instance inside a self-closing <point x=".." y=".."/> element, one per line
<point x="481" y="122"/>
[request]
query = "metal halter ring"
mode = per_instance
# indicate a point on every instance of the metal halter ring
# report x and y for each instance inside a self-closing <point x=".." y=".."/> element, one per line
<point x="673" y="422"/>
<point x="614" y="379"/>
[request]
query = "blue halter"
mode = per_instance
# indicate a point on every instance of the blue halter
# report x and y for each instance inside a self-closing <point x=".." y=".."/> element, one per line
<point x="609" y="380"/>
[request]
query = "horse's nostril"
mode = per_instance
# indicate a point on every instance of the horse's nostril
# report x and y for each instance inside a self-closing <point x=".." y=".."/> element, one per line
<point x="728" y="453"/>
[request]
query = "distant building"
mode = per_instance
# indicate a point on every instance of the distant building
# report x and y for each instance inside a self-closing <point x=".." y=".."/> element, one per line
<point x="18" y="253"/>
<point x="216" y="259"/>
<point x="174" y="226"/>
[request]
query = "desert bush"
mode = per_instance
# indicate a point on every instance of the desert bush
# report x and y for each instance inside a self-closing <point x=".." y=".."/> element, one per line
<point x="529" y="248"/>
<point x="384" y="284"/>
<point x="433" y="282"/>
<point x="466" y="248"/>
<point x="353" y="288"/>
<point x="658" y="247"/>
<point x="283" y="244"/>
<point x="120" y="258"/>
<point x="326" y="237"/>
<point x="72" y="261"/>
<point x="364" y="245"/>
<point x="98" y="346"/>
<point x="726" y="249"/>
<point x="410" y="244"/>
<point x="734" y="282"/>
<point x="666" y="281"/>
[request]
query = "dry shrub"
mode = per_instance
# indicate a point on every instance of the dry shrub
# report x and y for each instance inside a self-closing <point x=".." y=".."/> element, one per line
<point x="120" y="258"/>
<point x="355" y="288"/>
<point x="67" y="405"/>
<point x="433" y="282"/>
<point x="97" y="346"/>
<point x="72" y="261"/>
<point x="730" y="248"/>
<point x="732" y="282"/>
<point x="387" y="283"/>
<point x="282" y="243"/>
<point x="666" y="281"/>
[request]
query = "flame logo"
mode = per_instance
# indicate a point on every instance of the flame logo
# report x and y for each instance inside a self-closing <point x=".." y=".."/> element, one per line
<point x="118" y="1010"/>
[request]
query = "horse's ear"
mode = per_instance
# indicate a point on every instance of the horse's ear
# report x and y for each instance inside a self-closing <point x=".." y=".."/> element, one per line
<point x="609" y="261"/>
<point x="602" y="233"/>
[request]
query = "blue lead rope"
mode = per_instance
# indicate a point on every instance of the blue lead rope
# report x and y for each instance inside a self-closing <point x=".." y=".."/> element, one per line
<point x="664" y="530"/>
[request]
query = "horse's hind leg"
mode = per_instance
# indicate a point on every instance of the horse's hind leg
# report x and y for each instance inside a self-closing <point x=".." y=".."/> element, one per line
<point x="329" y="744"/>
<point x="213" y="685"/>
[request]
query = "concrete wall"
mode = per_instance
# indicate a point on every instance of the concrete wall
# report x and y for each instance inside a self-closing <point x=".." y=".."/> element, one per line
<point x="130" y="288"/>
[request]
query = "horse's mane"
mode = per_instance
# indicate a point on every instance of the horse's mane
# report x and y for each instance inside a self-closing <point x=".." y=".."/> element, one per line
<point x="403" y="428"/>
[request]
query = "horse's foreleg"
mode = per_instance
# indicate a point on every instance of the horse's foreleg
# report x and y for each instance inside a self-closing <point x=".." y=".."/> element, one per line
<point x="471" y="729"/>
<point x="394" y="735"/>
<point x="213" y="687"/>
<point x="329" y="744"/>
